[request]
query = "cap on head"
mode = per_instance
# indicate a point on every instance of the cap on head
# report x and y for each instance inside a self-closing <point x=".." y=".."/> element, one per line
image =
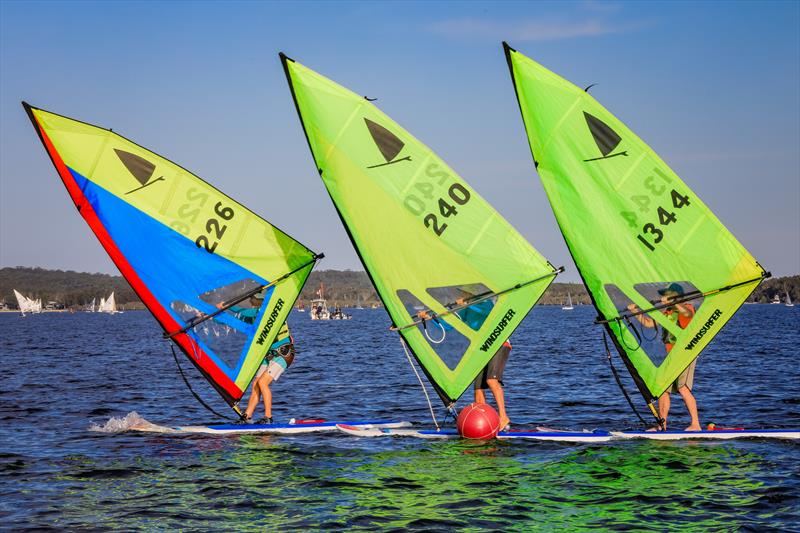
<point x="672" y="287"/>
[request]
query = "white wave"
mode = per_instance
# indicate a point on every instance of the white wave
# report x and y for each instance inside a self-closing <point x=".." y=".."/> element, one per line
<point x="118" y="424"/>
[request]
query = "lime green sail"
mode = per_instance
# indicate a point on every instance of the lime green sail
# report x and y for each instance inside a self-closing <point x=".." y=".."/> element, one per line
<point x="428" y="241"/>
<point x="636" y="232"/>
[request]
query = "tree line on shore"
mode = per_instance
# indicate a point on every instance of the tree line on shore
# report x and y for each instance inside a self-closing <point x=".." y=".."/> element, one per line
<point x="344" y="288"/>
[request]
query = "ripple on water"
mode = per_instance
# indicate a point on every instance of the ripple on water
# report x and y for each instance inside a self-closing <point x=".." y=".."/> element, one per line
<point x="55" y="472"/>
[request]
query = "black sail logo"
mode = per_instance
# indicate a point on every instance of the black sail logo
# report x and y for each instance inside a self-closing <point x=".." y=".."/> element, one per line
<point x="605" y="138"/>
<point x="139" y="167"/>
<point x="387" y="142"/>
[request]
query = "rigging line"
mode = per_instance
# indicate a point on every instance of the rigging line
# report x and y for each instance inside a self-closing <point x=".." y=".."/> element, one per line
<point x="196" y="396"/>
<point x="227" y="305"/>
<point x="421" y="384"/>
<point x="478" y="298"/>
<point x="619" y="381"/>
<point x="685" y="298"/>
<point x="434" y="341"/>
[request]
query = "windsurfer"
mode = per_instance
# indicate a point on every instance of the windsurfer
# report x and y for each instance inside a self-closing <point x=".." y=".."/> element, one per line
<point x="491" y="377"/>
<point x="680" y="314"/>
<point x="279" y="357"/>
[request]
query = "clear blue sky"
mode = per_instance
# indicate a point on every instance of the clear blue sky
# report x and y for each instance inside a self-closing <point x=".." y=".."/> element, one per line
<point x="713" y="87"/>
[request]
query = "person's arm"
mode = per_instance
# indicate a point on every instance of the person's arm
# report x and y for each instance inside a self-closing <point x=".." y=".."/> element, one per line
<point x="645" y="320"/>
<point x="686" y="310"/>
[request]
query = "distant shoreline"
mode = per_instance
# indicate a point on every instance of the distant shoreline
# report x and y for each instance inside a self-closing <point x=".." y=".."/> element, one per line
<point x="342" y="288"/>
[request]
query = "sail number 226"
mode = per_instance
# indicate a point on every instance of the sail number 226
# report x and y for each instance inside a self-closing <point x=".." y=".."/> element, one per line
<point x="214" y="229"/>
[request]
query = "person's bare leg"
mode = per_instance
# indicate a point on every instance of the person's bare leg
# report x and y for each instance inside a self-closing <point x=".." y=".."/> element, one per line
<point x="266" y="394"/>
<point x="664" y="402"/>
<point x="497" y="392"/>
<point x="480" y="396"/>
<point x="691" y="406"/>
<point x="253" y="401"/>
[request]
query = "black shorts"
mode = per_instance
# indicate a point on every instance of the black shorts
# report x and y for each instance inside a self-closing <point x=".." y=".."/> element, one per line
<point x="494" y="369"/>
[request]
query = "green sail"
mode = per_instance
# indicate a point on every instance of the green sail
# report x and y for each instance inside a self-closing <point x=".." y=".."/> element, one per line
<point x="427" y="240"/>
<point x="633" y="228"/>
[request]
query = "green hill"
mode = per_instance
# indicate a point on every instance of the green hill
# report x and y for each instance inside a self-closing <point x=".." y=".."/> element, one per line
<point x="345" y="288"/>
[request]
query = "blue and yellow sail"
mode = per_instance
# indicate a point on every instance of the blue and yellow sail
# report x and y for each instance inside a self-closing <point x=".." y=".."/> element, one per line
<point x="188" y="251"/>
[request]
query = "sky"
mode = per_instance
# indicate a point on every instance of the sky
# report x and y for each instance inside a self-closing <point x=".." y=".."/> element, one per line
<point x="713" y="87"/>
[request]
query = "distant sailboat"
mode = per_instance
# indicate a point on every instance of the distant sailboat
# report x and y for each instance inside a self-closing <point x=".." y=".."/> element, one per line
<point x="568" y="307"/>
<point x="789" y="302"/>
<point x="108" y="305"/>
<point x="775" y="299"/>
<point x="27" y="305"/>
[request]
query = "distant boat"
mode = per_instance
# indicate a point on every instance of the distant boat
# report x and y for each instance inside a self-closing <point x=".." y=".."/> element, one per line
<point x="776" y="299"/>
<point x="301" y="308"/>
<point x="28" y="305"/>
<point x="108" y="305"/>
<point x="338" y="314"/>
<point x="789" y="300"/>
<point x="319" y="308"/>
<point x="568" y="307"/>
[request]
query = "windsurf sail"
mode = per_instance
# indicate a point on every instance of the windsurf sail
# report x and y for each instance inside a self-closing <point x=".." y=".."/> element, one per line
<point x="430" y="244"/>
<point x="663" y="272"/>
<point x="195" y="257"/>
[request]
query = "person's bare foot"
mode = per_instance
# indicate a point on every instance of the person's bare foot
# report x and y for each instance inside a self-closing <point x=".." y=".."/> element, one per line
<point x="654" y="428"/>
<point x="694" y="427"/>
<point x="504" y="423"/>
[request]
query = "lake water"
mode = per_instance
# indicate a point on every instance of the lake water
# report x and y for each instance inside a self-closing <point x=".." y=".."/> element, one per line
<point x="61" y="373"/>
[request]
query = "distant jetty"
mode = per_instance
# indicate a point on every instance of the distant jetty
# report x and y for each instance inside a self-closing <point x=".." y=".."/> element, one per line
<point x="343" y="288"/>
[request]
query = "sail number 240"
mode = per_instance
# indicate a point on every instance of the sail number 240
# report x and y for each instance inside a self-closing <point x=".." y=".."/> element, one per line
<point x="445" y="205"/>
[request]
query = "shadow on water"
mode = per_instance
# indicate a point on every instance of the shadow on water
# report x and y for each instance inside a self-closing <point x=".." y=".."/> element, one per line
<point x="55" y="473"/>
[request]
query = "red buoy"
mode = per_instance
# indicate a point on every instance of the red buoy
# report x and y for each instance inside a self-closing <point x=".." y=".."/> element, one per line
<point x="478" y="421"/>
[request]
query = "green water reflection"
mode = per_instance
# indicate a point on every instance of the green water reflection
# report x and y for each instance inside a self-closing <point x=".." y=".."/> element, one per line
<point x="258" y="483"/>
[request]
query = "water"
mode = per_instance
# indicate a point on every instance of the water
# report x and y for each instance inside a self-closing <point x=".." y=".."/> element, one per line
<point x="61" y="373"/>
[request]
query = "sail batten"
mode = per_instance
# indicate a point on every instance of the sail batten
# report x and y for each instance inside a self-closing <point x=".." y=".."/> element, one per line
<point x="663" y="272"/>
<point x="424" y="236"/>
<point x="183" y="246"/>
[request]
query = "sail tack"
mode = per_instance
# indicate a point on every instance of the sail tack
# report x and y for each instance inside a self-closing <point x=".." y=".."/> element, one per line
<point x="641" y="239"/>
<point x="186" y="248"/>
<point x="429" y="242"/>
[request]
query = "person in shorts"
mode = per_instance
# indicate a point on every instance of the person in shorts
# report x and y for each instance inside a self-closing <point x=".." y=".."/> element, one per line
<point x="279" y="357"/>
<point x="491" y="377"/>
<point x="680" y="314"/>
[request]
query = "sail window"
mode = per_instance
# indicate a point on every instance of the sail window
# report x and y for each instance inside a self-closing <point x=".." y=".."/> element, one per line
<point x="225" y="341"/>
<point x="474" y="315"/>
<point x="447" y="342"/>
